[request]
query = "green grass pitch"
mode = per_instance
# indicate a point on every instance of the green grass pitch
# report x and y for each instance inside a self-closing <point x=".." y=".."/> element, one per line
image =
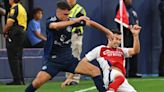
<point x="140" y="84"/>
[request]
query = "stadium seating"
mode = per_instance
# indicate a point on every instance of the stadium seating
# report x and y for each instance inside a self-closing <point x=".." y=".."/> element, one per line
<point x="32" y="63"/>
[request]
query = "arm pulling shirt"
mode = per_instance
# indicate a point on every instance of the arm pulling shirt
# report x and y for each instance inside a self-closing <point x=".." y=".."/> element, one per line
<point x="58" y="41"/>
<point x="76" y="12"/>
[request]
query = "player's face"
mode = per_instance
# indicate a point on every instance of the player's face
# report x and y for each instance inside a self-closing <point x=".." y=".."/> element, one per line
<point x="63" y="14"/>
<point x="39" y="15"/>
<point x="116" y="41"/>
<point x="71" y="2"/>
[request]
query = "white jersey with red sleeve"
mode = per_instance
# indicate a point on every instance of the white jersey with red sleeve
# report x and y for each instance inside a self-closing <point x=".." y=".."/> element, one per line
<point x="108" y="57"/>
<point x="116" y="57"/>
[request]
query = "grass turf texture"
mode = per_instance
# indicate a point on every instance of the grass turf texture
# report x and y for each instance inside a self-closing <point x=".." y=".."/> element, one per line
<point x="141" y="85"/>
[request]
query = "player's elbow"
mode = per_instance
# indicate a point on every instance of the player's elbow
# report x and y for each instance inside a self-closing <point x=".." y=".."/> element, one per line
<point x="136" y="51"/>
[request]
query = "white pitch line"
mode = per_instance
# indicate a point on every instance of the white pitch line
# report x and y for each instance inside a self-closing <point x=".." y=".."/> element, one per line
<point x="87" y="89"/>
<point x="147" y="79"/>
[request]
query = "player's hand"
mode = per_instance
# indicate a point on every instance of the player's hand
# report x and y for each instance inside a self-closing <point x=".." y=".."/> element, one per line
<point x="82" y="18"/>
<point x="135" y="29"/>
<point x="66" y="82"/>
<point x="110" y="35"/>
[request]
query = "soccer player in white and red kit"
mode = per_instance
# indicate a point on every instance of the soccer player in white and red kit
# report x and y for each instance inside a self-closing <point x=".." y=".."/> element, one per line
<point x="111" y="59"/>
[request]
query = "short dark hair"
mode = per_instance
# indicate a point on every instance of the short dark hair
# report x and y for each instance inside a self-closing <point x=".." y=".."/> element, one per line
<point x="116" y="31"/>
<point x="62" y="4"/>
<point x="16" y="1"/>
<point x="36" y="10"/>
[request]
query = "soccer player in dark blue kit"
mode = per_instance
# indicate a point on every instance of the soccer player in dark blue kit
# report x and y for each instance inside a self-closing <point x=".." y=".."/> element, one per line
<point x="58" y="53"/>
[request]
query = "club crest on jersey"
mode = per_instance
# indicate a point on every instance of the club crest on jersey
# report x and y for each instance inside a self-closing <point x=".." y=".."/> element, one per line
<point x="107" y="53"/>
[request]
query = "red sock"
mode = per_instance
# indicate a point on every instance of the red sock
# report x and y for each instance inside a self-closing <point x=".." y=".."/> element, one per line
<point x="116" y="83"/>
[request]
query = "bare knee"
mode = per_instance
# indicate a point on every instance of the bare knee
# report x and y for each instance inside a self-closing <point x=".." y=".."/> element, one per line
<point x="95" y="71"/>
<point x="41" y="78"/>
<point x="37" y="83"/>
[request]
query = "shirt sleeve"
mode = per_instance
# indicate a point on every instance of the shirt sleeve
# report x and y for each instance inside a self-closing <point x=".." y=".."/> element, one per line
<point x="13" y="13"/>
<point x="50" y="20"/>
<point x="81" y="23"/>
<point x="35" y="27"/>
<point x="126" y="52"/>
<point x="93" y="54"/>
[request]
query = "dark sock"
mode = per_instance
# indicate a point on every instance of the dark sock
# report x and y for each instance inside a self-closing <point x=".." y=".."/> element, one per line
<point x="30" y="88"/>
<point x="99" y="83"/>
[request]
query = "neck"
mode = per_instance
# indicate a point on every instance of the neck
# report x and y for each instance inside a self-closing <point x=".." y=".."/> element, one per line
<point x="109" y="45"/>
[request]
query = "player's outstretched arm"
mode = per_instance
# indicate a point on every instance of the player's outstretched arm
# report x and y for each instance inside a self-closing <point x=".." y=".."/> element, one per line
<point x="100" y="27"/>
<point x="63" y="24"/>
<point x="136" y="43"/>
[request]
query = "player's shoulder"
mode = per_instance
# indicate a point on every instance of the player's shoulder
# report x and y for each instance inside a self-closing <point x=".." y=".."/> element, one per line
<point x="100" y="46"/>
<point x="52" y="19"/>
<point x="123" y="49"/>
<point x="120" y="48"/>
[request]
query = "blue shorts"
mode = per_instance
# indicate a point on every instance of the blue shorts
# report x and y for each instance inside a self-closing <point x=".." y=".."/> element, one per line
<point x="63" y="63"/>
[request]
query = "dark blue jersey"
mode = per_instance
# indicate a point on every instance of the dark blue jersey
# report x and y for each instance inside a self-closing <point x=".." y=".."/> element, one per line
<point x="58" y="41"/>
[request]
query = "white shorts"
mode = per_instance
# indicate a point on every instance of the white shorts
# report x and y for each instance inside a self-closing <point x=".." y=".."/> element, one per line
<point x="125" y="86"/>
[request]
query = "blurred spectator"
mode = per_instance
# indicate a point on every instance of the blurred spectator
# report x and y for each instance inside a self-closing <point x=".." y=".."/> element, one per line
<point x="161" y="63"/>
<point x="2" y="11"/>
<point x="34" y="34"/>
<point x="128" y="38"/>
<point x="14" y="32"/>
<point x="76" y="39"/>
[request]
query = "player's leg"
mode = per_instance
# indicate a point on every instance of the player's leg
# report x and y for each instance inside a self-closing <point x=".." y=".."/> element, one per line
<point x="88" y="69"/>
<point x="126" y="87"/>
<point x="48" y="72"/>
<point x="41" y="78"/>
<point x="117" y="79"/>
